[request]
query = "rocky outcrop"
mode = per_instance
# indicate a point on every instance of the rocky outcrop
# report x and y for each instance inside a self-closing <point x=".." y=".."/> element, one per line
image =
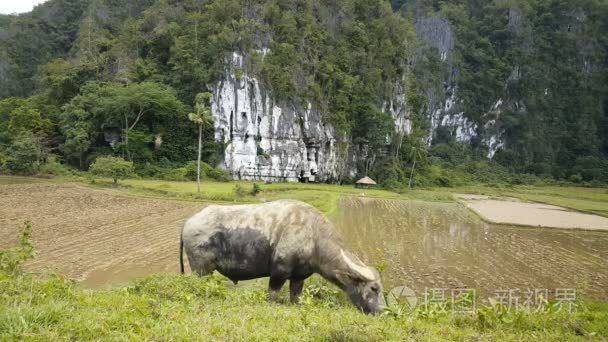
<point x="266" y="140"/>
<point x="397" y="106"/>
<point x="269" y="141"/>
<point x="444" y="106"/>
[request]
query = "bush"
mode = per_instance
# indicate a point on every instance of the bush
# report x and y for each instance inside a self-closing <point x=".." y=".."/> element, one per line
<point x="591" y="168"/>
<point x="240" y="191"/>
<point x="256" y="189"/>
<point x="576" y="178"/>
<point x="164" y="170"/>
<point x="22" y="156"/>
<point x="113" y="167"/>
<point x="54" y="168"/>
<point x="207" y="171"/>
<point x="3" y="160"/>
<point x="12" y="258"/>
<point x="393" y="176"/>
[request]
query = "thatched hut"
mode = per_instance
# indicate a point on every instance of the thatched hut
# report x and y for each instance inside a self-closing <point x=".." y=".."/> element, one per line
<point x="365" y="182"/>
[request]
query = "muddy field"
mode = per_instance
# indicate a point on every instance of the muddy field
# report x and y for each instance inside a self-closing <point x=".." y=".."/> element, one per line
<point x="103" y="237"/>
<point x="515" y="212"/>
<point x="93" y="235"/>
<point x="443" y="245"/>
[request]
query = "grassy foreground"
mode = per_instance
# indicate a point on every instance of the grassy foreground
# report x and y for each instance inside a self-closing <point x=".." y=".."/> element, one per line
<point x="173" y="307"/>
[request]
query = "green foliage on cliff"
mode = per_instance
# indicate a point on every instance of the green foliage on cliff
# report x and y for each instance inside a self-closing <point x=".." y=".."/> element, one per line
<point x="546" y="63"/>
<point x="95" y="77"/>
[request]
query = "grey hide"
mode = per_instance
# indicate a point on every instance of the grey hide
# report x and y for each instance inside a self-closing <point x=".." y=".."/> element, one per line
<point x="283" y="240"/>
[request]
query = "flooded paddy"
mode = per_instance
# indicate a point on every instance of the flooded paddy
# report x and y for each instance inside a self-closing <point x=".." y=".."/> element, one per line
<point x="102" y="238"/>
<point x="443" y="245"/>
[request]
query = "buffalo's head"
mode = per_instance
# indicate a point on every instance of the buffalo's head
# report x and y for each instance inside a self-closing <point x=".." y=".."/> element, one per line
<point x="362" y="284"/>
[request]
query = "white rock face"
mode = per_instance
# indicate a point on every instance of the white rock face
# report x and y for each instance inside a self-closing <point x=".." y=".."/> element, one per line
<point x="271" y="142"/>
<point x="267" y="141"/>
<point x="463" y="129"/>
<point x="398" y="108"/>
<point x="448" y="115"/>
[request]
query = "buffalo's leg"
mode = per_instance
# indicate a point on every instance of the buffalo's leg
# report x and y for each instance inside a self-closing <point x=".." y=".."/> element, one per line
<point x="295" y="289"/>
<point x="274" y="286"/>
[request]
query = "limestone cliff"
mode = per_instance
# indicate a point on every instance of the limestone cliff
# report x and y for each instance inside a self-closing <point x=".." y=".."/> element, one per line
<point x="444" y="107"/>
<point x="270" y="141"/>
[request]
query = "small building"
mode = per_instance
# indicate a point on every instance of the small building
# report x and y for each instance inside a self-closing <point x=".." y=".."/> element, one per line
<point x="365" y="182"/>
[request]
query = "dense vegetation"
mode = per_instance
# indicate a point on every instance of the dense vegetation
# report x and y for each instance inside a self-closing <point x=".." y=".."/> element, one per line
<point x="80" y="79"/>
<point x="546" y="62"/>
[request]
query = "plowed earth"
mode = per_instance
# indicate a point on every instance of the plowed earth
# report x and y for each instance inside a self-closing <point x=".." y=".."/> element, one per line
<point x="93" y="235"/>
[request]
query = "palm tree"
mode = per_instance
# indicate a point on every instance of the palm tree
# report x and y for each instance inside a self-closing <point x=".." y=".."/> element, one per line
<point x="201" y="117"/>
<point x="416" y="153"/>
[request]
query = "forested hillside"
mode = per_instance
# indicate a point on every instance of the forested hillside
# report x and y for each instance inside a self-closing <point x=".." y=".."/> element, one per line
<point x="460" y="90"/>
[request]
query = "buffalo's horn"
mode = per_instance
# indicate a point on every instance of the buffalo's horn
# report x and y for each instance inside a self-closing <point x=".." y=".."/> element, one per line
<point x="363" y="271"/>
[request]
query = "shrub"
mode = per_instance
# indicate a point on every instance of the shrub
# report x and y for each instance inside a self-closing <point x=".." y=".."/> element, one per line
<point x="218" y="174"/>
<point x="12" y="258"/>
<point x="591" y="168"/>
<point x="3" y="160"/>
<point x="256" y="189"/>
<point x="576" y="178"/>
<point x="207" y="171"/>
<point x="113" y="167"/>
<point x="54" y="168"/>
<point x="240" y="191"/>
<point x="22" y="156"/>
<point x="393" y="176"/>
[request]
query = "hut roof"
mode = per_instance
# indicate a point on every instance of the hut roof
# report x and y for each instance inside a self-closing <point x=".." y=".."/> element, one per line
<point x="366" y="180"/>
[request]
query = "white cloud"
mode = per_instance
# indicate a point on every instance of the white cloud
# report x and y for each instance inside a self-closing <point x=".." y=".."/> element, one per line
<point x="18" y="6"/>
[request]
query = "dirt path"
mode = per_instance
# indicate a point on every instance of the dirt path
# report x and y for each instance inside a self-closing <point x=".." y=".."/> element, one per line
<point x="93" y="235"/>
<point x="532" y="214"/>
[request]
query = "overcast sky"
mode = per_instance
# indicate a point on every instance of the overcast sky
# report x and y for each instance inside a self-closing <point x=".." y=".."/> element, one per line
<point x="18" y="6"/>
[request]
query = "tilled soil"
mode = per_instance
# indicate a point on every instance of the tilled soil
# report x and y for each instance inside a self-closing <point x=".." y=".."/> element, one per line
<point x="91" y="235"/>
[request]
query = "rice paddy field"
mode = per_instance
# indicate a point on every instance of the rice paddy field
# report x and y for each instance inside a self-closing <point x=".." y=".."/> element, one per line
<point x="105" y="266"/>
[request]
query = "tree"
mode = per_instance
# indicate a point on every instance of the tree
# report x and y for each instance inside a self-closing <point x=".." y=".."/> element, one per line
<point x="132" y="103"/>
<point x="138" y="111"/>
<point x="200" y="117"/>
<point x="416" y="153"/>
<point x="113" y="167"/>
<point x="24" y="154"/>
<point x="77" y="141"/>
<point x="27" y="119"/>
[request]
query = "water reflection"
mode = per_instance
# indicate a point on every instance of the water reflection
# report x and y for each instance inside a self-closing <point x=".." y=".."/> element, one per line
<point x="427" y="244"/>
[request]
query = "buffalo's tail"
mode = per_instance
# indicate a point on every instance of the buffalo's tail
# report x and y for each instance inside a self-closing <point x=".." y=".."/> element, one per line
<point x="181" y="253"/>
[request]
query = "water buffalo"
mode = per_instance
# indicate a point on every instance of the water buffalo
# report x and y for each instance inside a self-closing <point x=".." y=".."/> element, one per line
<point x="282" y="240"/>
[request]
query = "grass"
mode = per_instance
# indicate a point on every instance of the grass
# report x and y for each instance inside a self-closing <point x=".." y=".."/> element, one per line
<point x="173" y="307"/>
<point x="11" y="180"/>
<point x="322" y="196"/>
<point x="325" y="196"/>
